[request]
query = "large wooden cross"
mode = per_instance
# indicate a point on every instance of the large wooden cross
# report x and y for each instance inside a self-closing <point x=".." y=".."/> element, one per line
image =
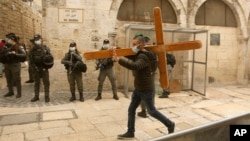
<point x="160" y="49"/>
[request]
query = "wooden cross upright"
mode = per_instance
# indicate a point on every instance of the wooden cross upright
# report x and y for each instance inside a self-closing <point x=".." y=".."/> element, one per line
<point x="160" y="49"/>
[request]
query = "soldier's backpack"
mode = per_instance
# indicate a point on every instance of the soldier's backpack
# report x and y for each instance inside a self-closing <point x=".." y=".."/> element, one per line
<point x="171" y="59"/>
<point x="80" y="66"/>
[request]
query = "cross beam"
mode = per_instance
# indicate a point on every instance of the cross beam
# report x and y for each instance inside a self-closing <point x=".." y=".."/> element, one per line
<point x="160" y="49"/>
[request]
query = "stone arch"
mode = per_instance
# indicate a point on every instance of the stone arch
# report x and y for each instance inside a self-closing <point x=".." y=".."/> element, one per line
<point x="235" y="6"/>
<point x="180" y="11"/>
<point x="177" y="5"/>
<point x="240" y="11"/>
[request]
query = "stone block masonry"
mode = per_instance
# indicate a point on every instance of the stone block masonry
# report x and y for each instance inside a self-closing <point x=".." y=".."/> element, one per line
<point x="18" y="17"/>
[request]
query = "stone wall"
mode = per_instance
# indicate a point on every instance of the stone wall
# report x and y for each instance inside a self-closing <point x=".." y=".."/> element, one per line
<point x="18" y="17"/>
<point x="99" y="21"/>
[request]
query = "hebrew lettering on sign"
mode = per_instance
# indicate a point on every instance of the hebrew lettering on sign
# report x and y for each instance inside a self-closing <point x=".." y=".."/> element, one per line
<point x="70" y="15"/>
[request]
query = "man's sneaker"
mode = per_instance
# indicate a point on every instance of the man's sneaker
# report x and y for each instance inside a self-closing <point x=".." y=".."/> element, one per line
<point x="142" y="114"/>
<point x="29" y="81"/>
<point x="127" y="135"/>
<point x="171" y="128"/>
<point x="9" y="94"/>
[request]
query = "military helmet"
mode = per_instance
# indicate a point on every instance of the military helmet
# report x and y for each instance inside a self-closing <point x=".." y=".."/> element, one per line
<point x="12" y="36"/>
<point x="37" y="36"/>
<point x="48" y="61"/>
<point x="72" y="44"/>
<point x="106" y="41"/>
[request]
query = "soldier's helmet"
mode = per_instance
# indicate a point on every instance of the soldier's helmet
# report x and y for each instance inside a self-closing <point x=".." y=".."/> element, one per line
<point x="37" y="36"/>
<point x="72" y="44"/>
<point x="48" y="61"/>
<point x="106" y="41"/>
<point x="12" y="36"/>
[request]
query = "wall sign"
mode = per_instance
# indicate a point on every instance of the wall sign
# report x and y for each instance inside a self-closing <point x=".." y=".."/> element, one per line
<point x="70" y="15"/>
<point x="214" y="39"/>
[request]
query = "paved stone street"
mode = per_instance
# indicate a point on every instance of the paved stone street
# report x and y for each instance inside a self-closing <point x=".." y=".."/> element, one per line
<point x="61" y="120"/>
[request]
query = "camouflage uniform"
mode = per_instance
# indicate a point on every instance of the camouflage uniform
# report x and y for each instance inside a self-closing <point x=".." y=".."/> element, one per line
<point x="73" y="75"/>
<point x="39" y="72"/>
<point x="106" y="69"/>
<point x="13" y="69"/>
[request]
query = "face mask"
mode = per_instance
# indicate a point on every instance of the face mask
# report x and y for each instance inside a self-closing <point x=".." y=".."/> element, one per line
<point x="9" y="42"/>
<point x="38" y="42"/>
<point x="135" y="49"/>
<point x="72" y="48"/>
<point x="105" y="46"/>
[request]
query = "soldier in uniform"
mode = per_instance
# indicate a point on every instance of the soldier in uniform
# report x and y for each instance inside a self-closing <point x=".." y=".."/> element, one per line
<point x="73" y="74"/>
<point x="170" y="63"/>
<point x="106" y="69"/>
<point x="40" y="69"/>
<point x="14" y="56"/>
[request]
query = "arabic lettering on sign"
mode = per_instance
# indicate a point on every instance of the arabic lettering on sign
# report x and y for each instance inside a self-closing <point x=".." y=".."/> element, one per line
<point x="70" y="15"/>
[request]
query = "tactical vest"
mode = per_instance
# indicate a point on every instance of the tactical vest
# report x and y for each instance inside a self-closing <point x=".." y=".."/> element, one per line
<point x="12" y="58"/>
<point x="37" y="55"/>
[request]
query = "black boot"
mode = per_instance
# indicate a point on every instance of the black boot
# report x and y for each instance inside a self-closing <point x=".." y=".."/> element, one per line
<point x="29" y="81"/>
<point x="115" y="97"/>
<point x="47" y="99"/>
<point x="35" y="98"/>
<point x="19" y="90"/>
<point x="73" y="97"/>
<point x="164" y="94"/>
<point x="18" y="96"/>
<point x="81" y="97"/>
<point x="99" y="96"/>
<point x="9" y="94"/>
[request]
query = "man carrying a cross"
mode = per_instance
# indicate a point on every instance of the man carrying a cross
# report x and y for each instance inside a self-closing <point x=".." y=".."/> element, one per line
<point x="144" y="87"/>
